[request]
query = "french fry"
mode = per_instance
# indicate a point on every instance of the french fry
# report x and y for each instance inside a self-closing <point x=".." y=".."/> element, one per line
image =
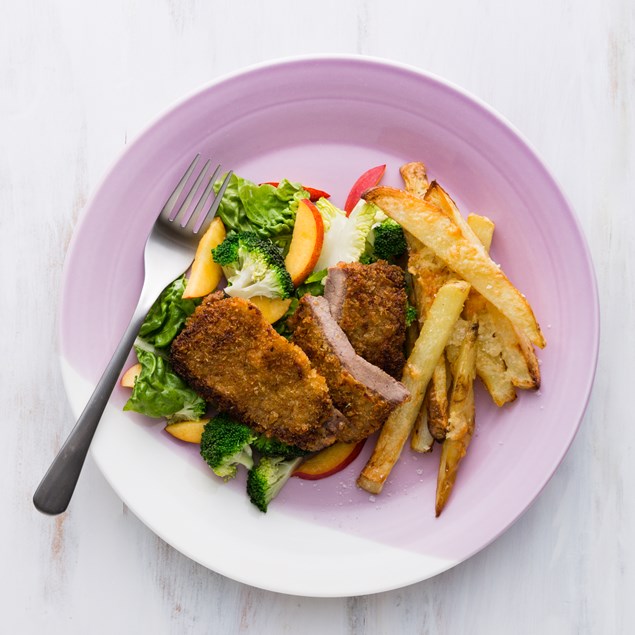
<point x="492" y="370"/>
<point x="439" y="197"/>
<point x="455" y="341"/>
<point x="422" y="439"/>
<point x="428" y="272"/>
<point x="483" y="229"/>
<point x="517" y="352"/>
<point x="461" y="251"/>
<point x="434" y="335"/>
<point x="428" y="275"/>
<point x="519" y="362"/>
<point x="438" y="402"/>
<point x="495" y="343"/>
<point x="461" y="418"/>
<point x="415" y="178"/>
<point x="490" y="365"/>
<point x="416" y="181"/>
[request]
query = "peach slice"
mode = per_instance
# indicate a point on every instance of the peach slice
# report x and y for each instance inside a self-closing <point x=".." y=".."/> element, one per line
<point x="272" y="309"/>
<point x="306" y="242"/>
<point x="128" y="378"/>
<point x="188" y="431"/>
<point x="329" y="461"/>
<point x="205" y="273"/>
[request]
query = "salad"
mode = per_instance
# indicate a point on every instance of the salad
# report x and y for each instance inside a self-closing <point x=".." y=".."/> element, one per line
<point x="271" y="243"/>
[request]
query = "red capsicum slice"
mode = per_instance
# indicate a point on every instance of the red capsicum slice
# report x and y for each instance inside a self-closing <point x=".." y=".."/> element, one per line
<point x="314" y="194"/>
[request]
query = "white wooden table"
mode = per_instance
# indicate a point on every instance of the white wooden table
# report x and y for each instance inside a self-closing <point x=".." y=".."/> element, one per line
<point x="78" y="79"/>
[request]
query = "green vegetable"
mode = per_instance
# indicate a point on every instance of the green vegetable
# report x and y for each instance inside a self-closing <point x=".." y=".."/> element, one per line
<point x="344" y="238"/>
<point x="272" y="447"/>
<point x="225" y="445"/>
<point x="267" y="210"/>
<point x="158" y="392"/>
<point x="253" y="266"/>
<point x="313" y="285"/>
<point x="386" y="241"/>
<point x="411" y="314"/>
<point x="367" y="258"/>
<point x="389" y="240"/>
<point x="265" y="481"/>
<point x="167" y="315"/>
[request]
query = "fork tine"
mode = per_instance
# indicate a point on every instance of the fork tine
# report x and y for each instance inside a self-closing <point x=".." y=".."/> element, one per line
<point x="192" y="221"/>
<point x="188" y="199"/>
<point x="171" y="202"/>
<point x="206" y="218"/>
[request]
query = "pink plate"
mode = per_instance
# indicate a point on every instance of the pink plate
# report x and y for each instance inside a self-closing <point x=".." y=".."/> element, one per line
<point x="324" y="121"/>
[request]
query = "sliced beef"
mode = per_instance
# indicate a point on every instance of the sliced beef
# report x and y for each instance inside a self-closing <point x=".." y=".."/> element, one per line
<point x="364" y="393"/>
<point x="369" y="303"/>
<point x="232" y="357"/>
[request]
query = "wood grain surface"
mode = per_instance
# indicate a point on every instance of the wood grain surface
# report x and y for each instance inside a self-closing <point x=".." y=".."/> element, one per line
<point x="78" y="79"/>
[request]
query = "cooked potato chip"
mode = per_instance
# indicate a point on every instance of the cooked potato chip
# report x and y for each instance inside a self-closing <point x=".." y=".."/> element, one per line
<point x="434" y="335"/>
<point x="517" y="352"/>
<point x="483" y="228"/>
<point x="415" y="178"/>
<point x="438" y="401"/>
<point x="422" y="439"/>
<point x="428" y="275"/>
<point x="461" y="419"/>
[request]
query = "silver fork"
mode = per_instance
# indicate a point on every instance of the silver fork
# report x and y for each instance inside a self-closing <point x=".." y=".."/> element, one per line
<point x="169" y="251"/>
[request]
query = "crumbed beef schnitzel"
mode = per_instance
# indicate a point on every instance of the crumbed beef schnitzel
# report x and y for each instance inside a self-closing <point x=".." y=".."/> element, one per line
<point x="232" y="357"/>
<point x="365" y="394"/>
<point x="369" y="303"/>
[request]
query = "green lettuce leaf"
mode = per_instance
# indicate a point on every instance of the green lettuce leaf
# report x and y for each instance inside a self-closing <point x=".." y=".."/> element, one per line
<point x="344" y="238"/>
<point x="167" y="315"/>
<point x="158" y="392"/>
<point x="265" y="209"/>
<point x="313" y="285"/>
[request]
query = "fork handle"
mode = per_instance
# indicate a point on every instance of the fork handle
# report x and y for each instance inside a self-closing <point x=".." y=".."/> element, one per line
<point x="58" y="484"/>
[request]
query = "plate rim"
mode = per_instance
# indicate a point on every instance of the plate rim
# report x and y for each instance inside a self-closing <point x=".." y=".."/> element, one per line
<point x="595" y="318"/>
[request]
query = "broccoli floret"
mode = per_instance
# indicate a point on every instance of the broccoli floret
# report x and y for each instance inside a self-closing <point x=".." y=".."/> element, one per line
<point x="389" y="240"/>
<point x="367" y="258"/>
<point x="411" y="314"/>
<point x="253" y="266"/>
<point x="272" y="447"/>
<point x="225" y="444"/>
<point x="265" y="481"/>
